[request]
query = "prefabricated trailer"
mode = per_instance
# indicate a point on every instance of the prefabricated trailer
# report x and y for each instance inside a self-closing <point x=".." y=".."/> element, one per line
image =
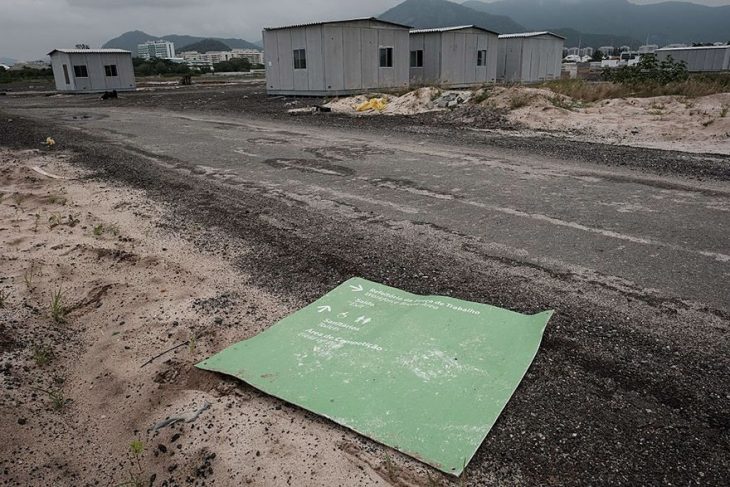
<point x="336" y="58"/>
<point x="453" y="57"/>
<point x="92" y="70"/>
<point x="529" y="56"/>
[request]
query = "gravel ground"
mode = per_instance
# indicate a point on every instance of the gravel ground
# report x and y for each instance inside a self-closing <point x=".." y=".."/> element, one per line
<point x="492" y="128"/>
<point x="626" y="389"/>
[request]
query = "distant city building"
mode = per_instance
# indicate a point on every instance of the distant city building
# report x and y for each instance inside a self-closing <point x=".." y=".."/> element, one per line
<point x="648" y="48"/>
<point x="624" y="48"/>
<point x="197" y="59"/>
<point x="92" y="70"/>
<point x="572" y="51"/>
<point x="673" y="46"/>
<point x="586" y="52"/>
<point x="607" y="50"/>
<point x="156" y="49"/>
<point x="699" y="59"/>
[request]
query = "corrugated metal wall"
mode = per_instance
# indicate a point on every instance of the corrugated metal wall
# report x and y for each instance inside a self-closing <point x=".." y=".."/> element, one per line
<point x="529" y="59"/>
<point x="97" y="80"/>
<point x="450" y="58"/>
<point x="708" y="59"/>
<point x="341" y="58"/>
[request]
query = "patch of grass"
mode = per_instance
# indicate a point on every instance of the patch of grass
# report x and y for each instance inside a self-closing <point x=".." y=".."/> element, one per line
<point x="519" y="101"/>
<point x="4" y="295"/>
<point x="98" y="230"/>
<point x="58" y="311"/>
<point x="56" y="199"/>
<point x="42" y="355"/>
<point x="591" y="91"/>
<point x="563" y="102"/>
<point x="482" y="95"/>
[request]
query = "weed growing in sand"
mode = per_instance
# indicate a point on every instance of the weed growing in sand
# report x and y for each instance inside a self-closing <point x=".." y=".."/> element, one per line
<point x="518" y="101"/>
<point x="58" y="312"/>
<point x="19" y="198"/>
<point x="55" y="199"/>
<point x="42" y="355"/>
<point x="482" y="95"/>
<point x="28" y="276"/>
<point x="563" y="102"/>
<point x="390" y="467"/>
<point x="192" y="343"/>
<point x="136" y="449"/>
<point x="4" y="294"/>
<point x="724" y="110"/>
<point x="58" y="400"/>
<point x="98" y="230"/>
<point x="55" y="220"/>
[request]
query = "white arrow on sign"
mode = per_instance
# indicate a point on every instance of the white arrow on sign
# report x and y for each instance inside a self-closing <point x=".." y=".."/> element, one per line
<point x="357" y="288"/>
<point x="322" y="309"/>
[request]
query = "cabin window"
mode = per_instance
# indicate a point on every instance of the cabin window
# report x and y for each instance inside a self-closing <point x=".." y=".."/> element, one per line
<point x="417" y="58"/>
<point x="80" y="71"/>
<point x="386" y="57"/>
<point x="111" y="69"/>
<point x="65" y="74"/>
<point x="482" y="57"/>
<point x="300" y="59"/>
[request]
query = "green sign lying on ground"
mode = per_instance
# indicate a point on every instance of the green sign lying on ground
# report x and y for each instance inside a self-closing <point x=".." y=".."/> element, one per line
<point x="426" y="375"/>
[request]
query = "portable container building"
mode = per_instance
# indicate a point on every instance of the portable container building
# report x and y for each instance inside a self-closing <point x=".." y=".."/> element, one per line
<point x="529" y="56"/>
<point x="336" y="58"/>
<point x="455" y="57"/>
<point x="92" y="70"/>
<point x="700" y="58"/>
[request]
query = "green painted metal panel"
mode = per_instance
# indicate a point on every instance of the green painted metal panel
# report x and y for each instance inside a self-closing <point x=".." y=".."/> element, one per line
<point x="426" y="375"/>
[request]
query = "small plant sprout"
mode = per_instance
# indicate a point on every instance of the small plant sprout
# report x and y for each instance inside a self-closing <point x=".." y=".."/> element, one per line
<point x="192" y="343"/>
<point x="58" y="312"/>
<point x="58" y="400"/>
<point x="28" y="276"/>
<point x="98" y="230"/>
<point x="136" y="449"/>
<point x="4" y="294"/>
<point x="35" y="223"/>
<point x="42" y="355"/>
<point x="724" y="110"/>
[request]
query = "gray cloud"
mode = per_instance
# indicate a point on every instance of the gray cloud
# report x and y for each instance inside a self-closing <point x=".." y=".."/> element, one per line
<point x="31" y="28"/>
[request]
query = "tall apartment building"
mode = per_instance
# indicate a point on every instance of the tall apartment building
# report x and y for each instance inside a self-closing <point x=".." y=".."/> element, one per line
<point x="156" y="49"/>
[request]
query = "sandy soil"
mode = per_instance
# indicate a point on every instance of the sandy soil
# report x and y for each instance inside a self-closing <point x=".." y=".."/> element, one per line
<point x="666" y="122"/>
<point x="76" y="390"/>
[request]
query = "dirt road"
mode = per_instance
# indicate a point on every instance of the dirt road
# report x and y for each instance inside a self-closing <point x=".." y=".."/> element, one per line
<point x="630" y="385"/>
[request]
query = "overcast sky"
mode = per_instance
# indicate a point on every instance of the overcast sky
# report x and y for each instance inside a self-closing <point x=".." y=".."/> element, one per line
<point x="31" y="28"/>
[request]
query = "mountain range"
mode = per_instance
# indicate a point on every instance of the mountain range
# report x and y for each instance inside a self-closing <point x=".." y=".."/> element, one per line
<point x="440" y="13"/>
<point x="129" y="41"/>
<point x="660" y="23"/>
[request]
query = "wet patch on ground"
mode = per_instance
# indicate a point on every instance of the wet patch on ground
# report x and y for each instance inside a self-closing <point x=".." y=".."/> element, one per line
<point x="310" y="165"/>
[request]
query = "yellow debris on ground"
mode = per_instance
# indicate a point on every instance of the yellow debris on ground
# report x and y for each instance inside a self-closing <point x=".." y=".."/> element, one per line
<point x="372" y="104"/>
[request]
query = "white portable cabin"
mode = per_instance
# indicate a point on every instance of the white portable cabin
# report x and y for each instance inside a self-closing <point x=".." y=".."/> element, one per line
<point x="699" y="59"/>
<point x="336" y="58"/>
<point x="529" y="57"/>
<point x="92" y="70"/>
<point x="453" y="57"/>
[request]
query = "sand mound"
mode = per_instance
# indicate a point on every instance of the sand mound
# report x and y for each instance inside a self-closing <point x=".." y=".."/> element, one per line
<point x="414" y="102"/>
